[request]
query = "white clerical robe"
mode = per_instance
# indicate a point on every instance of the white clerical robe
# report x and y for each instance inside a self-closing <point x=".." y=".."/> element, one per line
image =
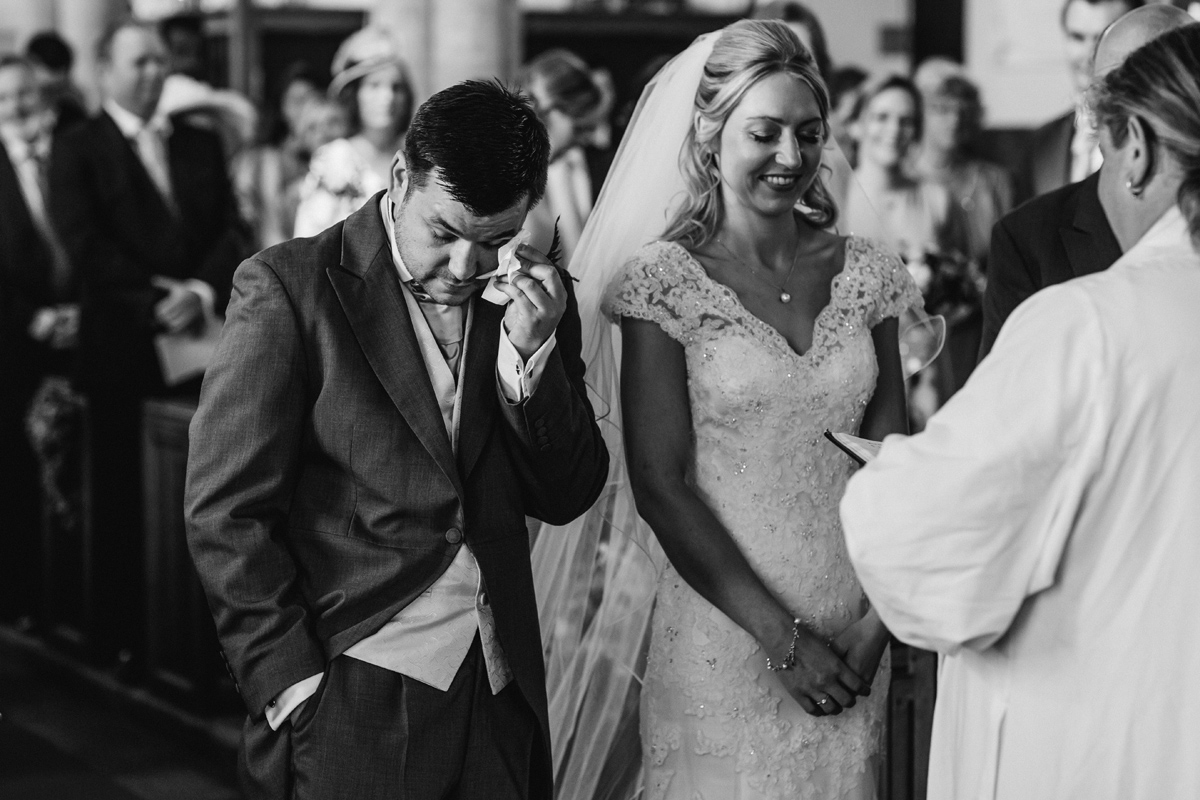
<point x="1044" y="534"/>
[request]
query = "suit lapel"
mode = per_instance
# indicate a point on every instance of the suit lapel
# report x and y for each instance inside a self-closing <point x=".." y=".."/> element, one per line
<point x="479" y="384"/>
<point x="1089" y="241"/>
<point x="13" y="198"/>
<point x="1052" y="163"/>
<point x="369" y="291"/>
<point x="136" y="170"/>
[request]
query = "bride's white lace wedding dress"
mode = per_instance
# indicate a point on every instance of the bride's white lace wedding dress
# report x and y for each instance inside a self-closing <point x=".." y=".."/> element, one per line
<point x="716" y="724"/>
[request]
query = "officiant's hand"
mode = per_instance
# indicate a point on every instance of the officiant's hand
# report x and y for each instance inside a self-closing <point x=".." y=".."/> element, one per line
<point x="821" y="682"/>
<point x="538" y="301"/>
<point x="861" y="645"/>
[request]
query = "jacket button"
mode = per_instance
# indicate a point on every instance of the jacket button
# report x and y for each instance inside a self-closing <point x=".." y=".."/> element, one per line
<point x="454" y="536"/>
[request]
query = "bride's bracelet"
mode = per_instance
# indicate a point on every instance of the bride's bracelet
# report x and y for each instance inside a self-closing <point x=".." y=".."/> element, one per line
<point x="789" y="660"/>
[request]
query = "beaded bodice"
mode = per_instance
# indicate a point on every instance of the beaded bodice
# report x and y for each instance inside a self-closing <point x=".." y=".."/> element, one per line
<point x="761" y="463"/>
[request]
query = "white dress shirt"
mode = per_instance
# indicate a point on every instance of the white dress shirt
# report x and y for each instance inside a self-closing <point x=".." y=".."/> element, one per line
<point x="1086" y="157"/>
<point x="428" y="639"/>
<point x="149" y="142"/>
<point x="30" y="160"/>
<point x="1043" y="533"/>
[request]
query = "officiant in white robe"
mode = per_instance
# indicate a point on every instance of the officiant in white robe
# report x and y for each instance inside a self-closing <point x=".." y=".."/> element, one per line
<point x="1043" y="532"/>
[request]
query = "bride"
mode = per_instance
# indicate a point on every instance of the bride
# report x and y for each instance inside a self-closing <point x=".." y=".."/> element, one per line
<point x="746" y="330"/>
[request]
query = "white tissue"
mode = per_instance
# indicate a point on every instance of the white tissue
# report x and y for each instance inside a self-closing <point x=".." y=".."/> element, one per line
<point x="507" y="256"/>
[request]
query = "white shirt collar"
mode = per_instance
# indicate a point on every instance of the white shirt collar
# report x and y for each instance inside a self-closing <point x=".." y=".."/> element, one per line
<point x="387" y="211"/>
<point x="131" y="124"/>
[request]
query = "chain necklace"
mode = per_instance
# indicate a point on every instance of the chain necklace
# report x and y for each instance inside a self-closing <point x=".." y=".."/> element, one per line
<point x="784" y="296"/>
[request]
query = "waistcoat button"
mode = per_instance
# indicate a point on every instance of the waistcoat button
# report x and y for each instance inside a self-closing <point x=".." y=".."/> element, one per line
<point x="454" y="536"/>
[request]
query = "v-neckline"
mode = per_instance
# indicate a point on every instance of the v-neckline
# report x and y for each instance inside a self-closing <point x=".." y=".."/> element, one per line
<point x="771" y="331"/>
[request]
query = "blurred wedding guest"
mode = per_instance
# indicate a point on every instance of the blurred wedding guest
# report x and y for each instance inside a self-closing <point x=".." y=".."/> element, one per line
<point x="371" y="81"/>
<point x="1041" y="532"/>
<point x="918" y="218"/>
<point x="804" y="24"/>
<point x="574" y="103"/>
<point x="267" y="176"/>
<point x="145" y="210"/>
<point x="52" y="60"/>
<point x="1064" y="150"/>
<point x="1066" y="233"/>
<point x="845" y="84"/>
<point x="953" y="119"/>
<point x="187" y="94"/>
<point x="38" y="322"/>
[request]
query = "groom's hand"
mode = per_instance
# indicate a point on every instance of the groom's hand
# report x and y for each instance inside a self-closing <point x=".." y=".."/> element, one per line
<point x="538" y="301"/>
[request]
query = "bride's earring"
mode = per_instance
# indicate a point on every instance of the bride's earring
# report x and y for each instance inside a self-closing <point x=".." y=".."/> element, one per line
<point x="1136" y="191"/>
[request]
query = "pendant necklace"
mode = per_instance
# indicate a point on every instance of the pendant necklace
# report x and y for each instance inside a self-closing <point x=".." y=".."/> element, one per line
<point x="784" y="296"/>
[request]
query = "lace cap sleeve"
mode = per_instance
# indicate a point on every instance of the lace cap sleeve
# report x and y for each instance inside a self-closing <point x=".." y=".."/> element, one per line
<point x="892" y="289"/>
<point x="656" y="285"/>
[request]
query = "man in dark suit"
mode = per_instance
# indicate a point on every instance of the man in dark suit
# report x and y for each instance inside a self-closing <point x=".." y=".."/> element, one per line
<point x="370" y="439"/>
<point x="1060" y="151"/>
<point x="1051" y="239"/>
<point x="52" y="60"/>
<point x="38" y="322"/>
<point x="146" y="212"/>
<point x="1066" y="233"/>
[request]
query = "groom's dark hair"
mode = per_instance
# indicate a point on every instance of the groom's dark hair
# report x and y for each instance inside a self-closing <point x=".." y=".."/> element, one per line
<point x="486" y="143"/>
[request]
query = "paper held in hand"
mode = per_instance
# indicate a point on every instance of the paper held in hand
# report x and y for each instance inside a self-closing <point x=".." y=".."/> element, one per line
<point x="185" y="355"/>
<point x="507" y="258"/>
<point x="860" y="449"/>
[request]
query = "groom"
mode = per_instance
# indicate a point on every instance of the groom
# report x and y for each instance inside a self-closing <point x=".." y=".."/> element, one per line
<point x="368" y="443"/>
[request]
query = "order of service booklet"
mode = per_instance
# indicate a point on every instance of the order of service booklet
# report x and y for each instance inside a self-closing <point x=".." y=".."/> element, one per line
<point x="860" y="449"/>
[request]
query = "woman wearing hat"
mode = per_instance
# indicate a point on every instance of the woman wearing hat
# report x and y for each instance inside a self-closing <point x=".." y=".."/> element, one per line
<point x="573" y="102"/>
<point x="371" y="81"/>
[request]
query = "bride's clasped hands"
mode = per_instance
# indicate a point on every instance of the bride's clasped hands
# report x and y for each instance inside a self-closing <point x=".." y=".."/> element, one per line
<point x="827" y="678"/>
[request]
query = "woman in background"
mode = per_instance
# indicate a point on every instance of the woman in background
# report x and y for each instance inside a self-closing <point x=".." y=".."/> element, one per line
<point x="371" y="82"/>
<point x="573" y="102"/>
<point x="953" y="119"/>
<point x="263" y="174"/>
<point x="918" y="218"/>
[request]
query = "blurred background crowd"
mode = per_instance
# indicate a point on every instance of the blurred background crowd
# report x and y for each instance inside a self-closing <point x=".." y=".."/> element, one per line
<point x="149" y="146"/>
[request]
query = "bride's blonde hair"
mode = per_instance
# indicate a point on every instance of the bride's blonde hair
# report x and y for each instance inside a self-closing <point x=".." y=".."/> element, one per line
<point x="746" y="52"/>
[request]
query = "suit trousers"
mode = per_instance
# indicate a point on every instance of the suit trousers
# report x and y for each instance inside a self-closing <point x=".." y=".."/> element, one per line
<point x="371" y="733"/>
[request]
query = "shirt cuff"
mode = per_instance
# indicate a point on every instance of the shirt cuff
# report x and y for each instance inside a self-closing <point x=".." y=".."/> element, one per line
<point x="208" y="297"/>
<point x="518" y="378"/>
<point x="290" y="699"/>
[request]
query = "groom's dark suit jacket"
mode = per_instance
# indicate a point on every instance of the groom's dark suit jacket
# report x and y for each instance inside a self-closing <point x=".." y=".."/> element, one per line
<point x="1051" y="239"/>
<point x="322" y="492"/>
